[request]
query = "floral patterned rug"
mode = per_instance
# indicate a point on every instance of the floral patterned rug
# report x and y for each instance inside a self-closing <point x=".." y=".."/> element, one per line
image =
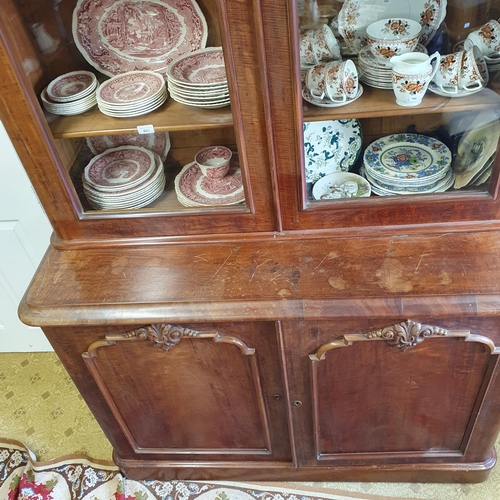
<point x="77" y="478"/>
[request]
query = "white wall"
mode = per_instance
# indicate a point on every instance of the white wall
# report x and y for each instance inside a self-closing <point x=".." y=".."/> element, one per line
<point x="24" y="238"/>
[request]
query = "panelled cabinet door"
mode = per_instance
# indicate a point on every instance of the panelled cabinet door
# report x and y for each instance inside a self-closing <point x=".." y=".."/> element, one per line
<point x="184" y="393"/>
<point x="409" y="392"/>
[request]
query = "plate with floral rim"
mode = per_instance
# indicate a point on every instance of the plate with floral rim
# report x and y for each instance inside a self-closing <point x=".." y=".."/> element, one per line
<point x="409" y="158"/>
<point x="135" y="35"/>
<point x="331" y="146"/>
<point x="356" y="15"/>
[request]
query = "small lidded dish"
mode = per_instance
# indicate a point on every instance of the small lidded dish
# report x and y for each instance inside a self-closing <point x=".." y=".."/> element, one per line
<point x="392" y="37"/>
<point x="214" y="161"/>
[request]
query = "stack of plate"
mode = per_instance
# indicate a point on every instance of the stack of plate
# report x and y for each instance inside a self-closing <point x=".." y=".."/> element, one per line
<point x="407" y="164"/>
<point x="376" y="73"/>
<point x="131" y="94"/>
<point x="199" y="79"/>
<point x="193" y="189"/>
<point x="123" y="178"/>
<point x="70" y="94"/>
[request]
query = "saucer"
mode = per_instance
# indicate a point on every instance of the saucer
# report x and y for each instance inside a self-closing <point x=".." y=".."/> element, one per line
<point x="461" y="93"/>
<point x="327" y="103"/>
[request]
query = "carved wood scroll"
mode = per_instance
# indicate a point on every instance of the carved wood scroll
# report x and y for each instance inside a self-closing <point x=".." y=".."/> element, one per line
<point x="166" y="337"/>
<point x="404" y="335"/>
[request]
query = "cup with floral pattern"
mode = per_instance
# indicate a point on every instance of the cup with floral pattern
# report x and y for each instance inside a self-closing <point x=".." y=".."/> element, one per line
<point x="448" y="73"/>
<point x="341" y="80"/>
<point x="487" y="38"/>
<point x="474" y="71"/>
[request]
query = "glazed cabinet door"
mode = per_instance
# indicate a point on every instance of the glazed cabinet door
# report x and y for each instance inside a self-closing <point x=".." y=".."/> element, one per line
<point x="190" y="393"/>
<point x="185" y="76"/>
<point x="382" y="392"/>
<point x="392" y="114"/>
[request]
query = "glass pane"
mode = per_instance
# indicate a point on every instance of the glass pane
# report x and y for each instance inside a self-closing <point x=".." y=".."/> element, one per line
<point x="400" y="98"/>
<point x="133" y="91"/>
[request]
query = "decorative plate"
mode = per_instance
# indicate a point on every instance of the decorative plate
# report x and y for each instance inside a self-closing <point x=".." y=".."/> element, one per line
<point x="356" y="15"/>
<point x="408" y="158"/>
<point x="434" y="187"/>
<point x="72" y="86"/>
<point x="327" y="103"/>
<point x="129" y="35"/>
<point x="477" y="145"/>
<point x="159" y="142"/>
<point x="341" y="185"/>
<point x="200" y="191"/>
<point x="132" y="87"/>
<point x="119" y="169"/>
<point x="331" y="146"/>
<point x="200" y="68"/>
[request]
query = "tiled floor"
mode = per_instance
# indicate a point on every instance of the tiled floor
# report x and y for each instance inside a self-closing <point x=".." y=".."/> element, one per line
<point x="40" y="406"/>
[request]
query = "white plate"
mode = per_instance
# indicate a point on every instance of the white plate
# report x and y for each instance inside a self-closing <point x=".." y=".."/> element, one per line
<point x="331" y="146"/>
<point x="117" y="37"/>
<point x="356" y="15"/>
<point x="341" y="185"/>
<point x="327" y="103"/>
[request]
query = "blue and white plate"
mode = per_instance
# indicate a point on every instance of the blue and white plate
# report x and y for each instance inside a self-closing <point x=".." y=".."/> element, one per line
<point x="331" y="146"/>
<point x="407" y="159"/>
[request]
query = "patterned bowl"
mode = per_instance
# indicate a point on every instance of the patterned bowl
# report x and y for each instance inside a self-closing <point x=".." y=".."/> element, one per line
<point x="392" y="37"/>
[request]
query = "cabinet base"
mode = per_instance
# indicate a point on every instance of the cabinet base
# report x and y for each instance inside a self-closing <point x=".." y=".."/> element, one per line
<point x="475" y="472"/>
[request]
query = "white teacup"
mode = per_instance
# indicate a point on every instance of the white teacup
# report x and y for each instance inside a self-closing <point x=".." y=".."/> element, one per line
<point x="325" y="45"/>
<point x="341" y="80"/>
<point x="487" y="38"/>
<point x="474" y="72"/>
<point x="306" y="49"/>
<point x="448" y="73"/>
<point x="315" y="81"/>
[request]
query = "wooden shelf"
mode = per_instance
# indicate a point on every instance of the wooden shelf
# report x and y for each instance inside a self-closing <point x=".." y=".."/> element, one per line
<point x="377" y="102"/>
<point x="169" y="117"/>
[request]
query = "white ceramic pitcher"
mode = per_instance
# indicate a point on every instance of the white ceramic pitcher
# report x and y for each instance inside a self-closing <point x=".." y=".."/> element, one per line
<point x="415" y="63"/>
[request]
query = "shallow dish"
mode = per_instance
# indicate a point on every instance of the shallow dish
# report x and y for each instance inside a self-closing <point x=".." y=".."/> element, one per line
<point x="341" y="185"/>
<point x="199" y="68"/>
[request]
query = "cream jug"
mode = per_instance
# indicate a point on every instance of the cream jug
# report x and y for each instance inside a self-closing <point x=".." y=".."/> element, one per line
<point x="415" y="63"/>
<point x="411" y="75"/>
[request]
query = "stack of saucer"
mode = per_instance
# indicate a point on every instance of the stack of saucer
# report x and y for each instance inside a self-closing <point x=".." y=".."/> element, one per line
<point x="131" y="94"/>
<point x="123" y="178"/>
<point x="199" y="79"/>
<point x="70" y="94"/>
<point x="376" y="73"/>
<point x="407" y="164"/>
